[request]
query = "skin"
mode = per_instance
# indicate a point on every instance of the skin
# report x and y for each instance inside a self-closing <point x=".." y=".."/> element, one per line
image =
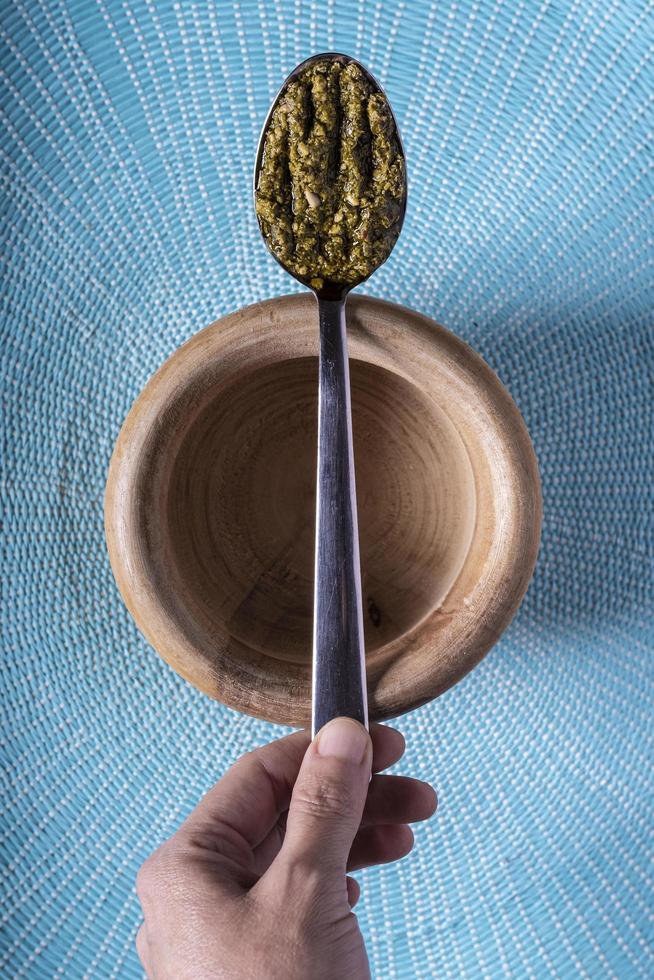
<point x="254" y="883"/>
<point x="331" y="188"/>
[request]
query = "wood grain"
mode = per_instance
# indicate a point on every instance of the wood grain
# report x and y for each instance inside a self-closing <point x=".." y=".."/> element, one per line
<point x="209" y="507"/>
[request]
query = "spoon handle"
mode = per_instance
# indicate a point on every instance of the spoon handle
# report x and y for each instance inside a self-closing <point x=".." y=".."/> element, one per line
<point x="339" y="666"/>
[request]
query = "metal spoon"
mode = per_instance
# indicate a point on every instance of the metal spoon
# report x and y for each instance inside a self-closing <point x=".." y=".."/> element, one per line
<point x="339" y="668"/>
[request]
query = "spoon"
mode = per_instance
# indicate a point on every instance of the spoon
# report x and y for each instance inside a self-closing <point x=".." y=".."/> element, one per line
<point x="339" y="669"/>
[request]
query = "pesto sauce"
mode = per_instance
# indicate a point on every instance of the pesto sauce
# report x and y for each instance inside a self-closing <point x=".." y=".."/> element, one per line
<point x="331" y="188"/>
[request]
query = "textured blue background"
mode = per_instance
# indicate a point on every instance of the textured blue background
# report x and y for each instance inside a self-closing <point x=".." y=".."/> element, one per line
<point x="128" y="134"/>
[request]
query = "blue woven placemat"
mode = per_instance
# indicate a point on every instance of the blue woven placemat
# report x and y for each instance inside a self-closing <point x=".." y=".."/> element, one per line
<point x="128" y="135"/>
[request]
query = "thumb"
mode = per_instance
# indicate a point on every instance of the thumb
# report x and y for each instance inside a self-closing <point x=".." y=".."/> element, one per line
<point x="328" y="799"/>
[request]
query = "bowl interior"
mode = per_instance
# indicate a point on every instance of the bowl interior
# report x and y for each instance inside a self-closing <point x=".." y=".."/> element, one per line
<point x="237" y="508"/>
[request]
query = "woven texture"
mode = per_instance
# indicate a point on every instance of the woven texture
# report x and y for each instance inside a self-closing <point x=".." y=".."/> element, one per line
<point x="128" y="135"/>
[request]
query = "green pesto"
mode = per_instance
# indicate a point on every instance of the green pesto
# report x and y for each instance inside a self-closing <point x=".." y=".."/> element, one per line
<point x="331" y="188"/>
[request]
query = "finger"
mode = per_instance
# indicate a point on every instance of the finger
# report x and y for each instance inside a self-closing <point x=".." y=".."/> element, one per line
<point x="379" y="845"/>
<point x="143" y="948"/>
<point x="252" y="794"/>
<point x="327" y="804"/>
<point x="388" y="746"/>
<point x="270" y="846"/>
<point x="390" y="800"/>
<point x="398" y="799"/>
<point x="353" y="891"/>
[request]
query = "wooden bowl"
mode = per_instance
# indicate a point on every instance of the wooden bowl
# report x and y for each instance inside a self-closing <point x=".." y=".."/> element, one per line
<point x="210" y="506"/>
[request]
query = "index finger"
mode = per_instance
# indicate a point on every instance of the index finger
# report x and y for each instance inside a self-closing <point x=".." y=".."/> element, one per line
<point x="253" y="792"/>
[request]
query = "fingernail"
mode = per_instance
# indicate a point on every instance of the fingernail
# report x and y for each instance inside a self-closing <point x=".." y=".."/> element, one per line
<point x="343" y="738"/>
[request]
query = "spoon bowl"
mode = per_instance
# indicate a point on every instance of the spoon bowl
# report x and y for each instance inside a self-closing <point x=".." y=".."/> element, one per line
<point x="331" y="290"/>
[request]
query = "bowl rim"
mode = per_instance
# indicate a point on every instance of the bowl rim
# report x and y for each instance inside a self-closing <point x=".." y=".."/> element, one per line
<point x="420" y="350"/>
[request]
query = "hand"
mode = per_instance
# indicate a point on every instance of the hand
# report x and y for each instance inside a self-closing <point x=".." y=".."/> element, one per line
<point x="253" y="885"/>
